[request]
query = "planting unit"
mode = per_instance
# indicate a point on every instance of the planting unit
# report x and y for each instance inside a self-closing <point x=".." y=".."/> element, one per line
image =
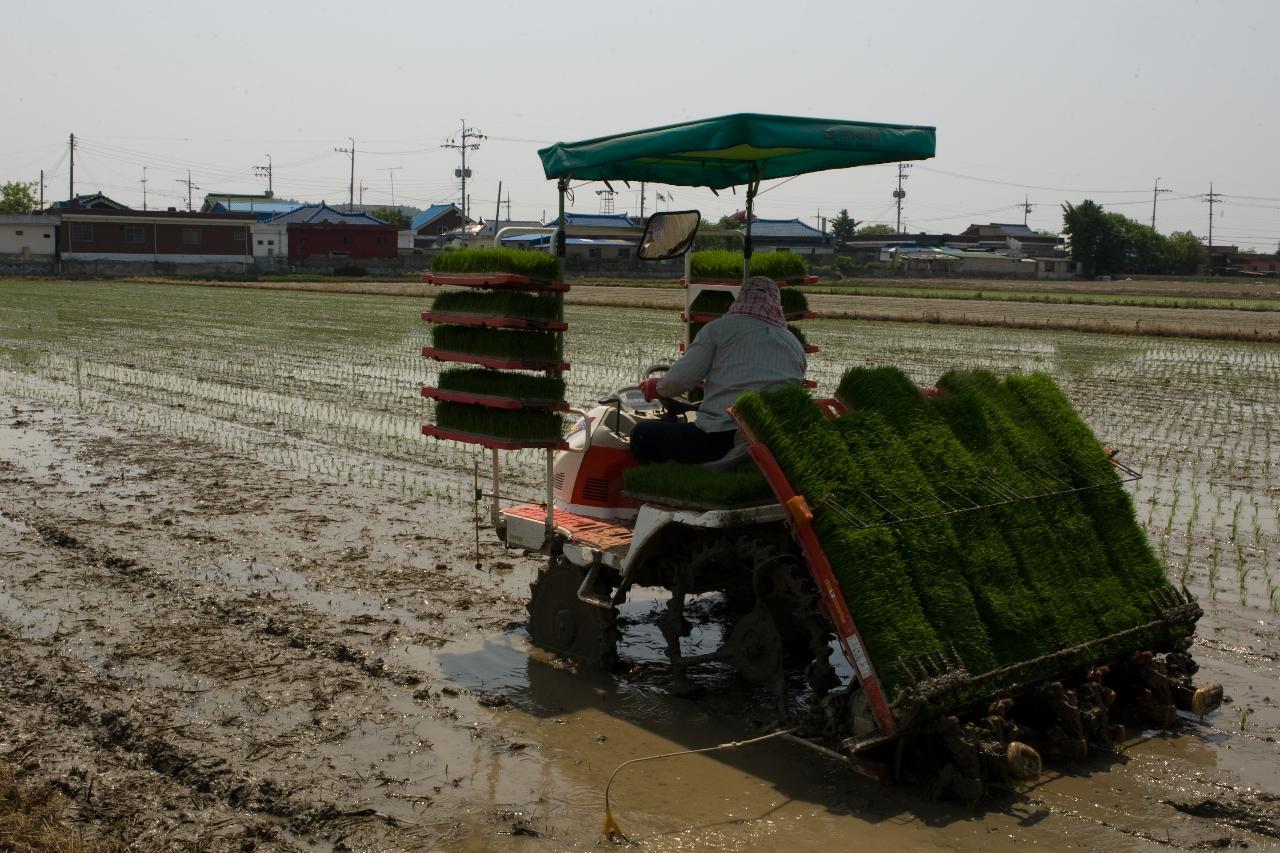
<point x="969" y="548"/>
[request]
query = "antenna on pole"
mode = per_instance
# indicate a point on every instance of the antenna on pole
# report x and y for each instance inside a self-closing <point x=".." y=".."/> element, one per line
<point x="899" y="194"/>
<point x="462" y="147"/>
<point x="1155" y="193"/>
<point x="265" y="172"/>
<point x="1211" y="199"/>
<point x="190" y="186"/>
<point x="606" y="200"/>
<point x="351" y="191"/>
<point x="391" y="173"/>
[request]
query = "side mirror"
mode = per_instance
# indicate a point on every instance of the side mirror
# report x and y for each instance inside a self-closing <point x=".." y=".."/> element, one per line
<point x="668" y="235"/>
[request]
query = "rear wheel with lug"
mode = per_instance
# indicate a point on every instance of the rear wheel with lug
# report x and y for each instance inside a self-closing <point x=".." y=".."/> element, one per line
<point x="563" y="624"/>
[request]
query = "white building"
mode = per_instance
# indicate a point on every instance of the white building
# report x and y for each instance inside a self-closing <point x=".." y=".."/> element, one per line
<point x="28" y="236"/>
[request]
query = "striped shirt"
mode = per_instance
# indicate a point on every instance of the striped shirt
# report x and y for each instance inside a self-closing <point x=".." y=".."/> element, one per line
<point x="732" y="355"/>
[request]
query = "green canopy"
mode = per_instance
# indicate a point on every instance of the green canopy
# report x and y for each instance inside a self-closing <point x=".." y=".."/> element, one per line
<point x="736" y="149"/>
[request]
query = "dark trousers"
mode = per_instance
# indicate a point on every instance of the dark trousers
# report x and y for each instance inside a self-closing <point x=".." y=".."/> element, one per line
<point x="678" y="441"/>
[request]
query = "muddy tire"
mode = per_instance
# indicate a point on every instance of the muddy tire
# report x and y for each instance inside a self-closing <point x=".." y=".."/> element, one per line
<point x="566" y="626"/>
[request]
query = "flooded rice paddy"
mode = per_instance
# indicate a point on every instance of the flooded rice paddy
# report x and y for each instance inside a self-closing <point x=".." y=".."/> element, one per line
<point x="240" y="603"/>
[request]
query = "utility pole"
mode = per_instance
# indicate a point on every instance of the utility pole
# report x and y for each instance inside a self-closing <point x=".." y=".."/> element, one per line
<point x="1026" y="208"/>
<point x="899" y="194"/>
<point x="265" y="172"/>
<point x="497" y="210"/>
<point x="462" y="147"/>
<point x="1155" y="193"/>
<point x="144" y="187"/>
<point x="508" y="203"/>
<point x="190" y="187"/>
<point x="1212" y="199"/>
<point x="351" y="191"/>
<point x="391" y="173"/>
<point x="42" y="189"/>
<point x="642" y="199"/>
<point x="362" y="189"/>
<point x="71" y="191"/>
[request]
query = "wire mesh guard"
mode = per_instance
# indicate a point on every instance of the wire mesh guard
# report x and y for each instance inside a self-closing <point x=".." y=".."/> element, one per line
<point x="986" y="490"/>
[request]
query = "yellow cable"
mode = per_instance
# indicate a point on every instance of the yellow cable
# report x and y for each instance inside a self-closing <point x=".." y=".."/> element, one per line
<point x="613" y="832"/>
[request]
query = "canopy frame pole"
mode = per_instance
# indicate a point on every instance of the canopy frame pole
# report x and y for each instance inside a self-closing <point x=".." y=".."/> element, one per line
<point x="752" y="188"/>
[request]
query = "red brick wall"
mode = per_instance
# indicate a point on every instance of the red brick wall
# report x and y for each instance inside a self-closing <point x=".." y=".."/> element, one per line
<point x="355" y="241"/>
<point x="165" y="238"/>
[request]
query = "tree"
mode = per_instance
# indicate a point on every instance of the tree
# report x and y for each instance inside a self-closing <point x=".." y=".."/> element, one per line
<point x="17" y="197"/>
<point x="844" y="226"/>
<point x="1095" y="239"/>
<point x="877" y="230"/>
<point x="1187" y="255"/>
<point x="392" y="216"/>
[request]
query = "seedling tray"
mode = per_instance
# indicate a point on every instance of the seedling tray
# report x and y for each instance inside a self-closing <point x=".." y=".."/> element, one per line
<point x="493" y="322"/>
<point x="496" y="281"/>
<point x="492" y="442"/>
<point x="491" y="401"/>
<point x="492" y="361"/>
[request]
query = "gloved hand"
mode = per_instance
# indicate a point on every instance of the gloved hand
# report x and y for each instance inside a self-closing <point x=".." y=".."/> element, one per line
<point x="649" y="388"/>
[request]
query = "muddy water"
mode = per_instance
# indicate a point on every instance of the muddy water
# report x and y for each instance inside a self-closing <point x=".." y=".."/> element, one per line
<point x="268" y="617"/>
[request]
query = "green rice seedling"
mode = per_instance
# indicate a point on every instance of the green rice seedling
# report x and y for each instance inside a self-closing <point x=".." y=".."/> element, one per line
<point x="501" y="303"/>
<point x="1109" y="508"/>
<point x="695" y="484"/>
<point x="795" y="330"/>
<point x="501" y="383"/>
<point x="1019" y="608"/>
<point x="929" y="547"/>
<point x="793" y="301"/>
<point x="779" y="266"/>
<point x="535" y="346"/>
<point x="727" y="265"/>
<point x="535" y="265"/>
<point x="1057" y="537"/>
<point x="520" y="424"/>
<point x="876" y="582"/>
<point x="712" y="302"/>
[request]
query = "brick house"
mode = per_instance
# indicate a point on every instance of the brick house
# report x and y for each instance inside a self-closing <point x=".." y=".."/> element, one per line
<point x="318" y="229"/>
<point x="107" y="234"/>
<point x="437" y="219"/>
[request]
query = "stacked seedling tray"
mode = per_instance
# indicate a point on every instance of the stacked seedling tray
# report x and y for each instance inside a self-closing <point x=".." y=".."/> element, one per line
<point x="504" y="328"/>
<point x="715" y="277"/>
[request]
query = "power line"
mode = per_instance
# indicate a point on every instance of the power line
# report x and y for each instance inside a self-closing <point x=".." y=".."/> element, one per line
<point x="1024" y="186"/>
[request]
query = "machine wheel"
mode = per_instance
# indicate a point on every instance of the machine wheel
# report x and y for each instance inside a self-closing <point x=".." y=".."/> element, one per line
<point x="561" y="623"/>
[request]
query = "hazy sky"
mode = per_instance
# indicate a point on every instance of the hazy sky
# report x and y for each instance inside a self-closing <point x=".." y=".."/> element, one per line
<point x="1051" y="101"/>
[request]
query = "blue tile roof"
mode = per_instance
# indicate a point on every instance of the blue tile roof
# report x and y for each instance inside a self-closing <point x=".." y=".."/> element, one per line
<point x="789" y="229"/>
<point x="431" y="214"/>
<point x="317" y="213"/>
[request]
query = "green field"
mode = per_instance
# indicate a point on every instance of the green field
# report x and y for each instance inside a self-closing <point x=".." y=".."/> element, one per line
<point x="328" y="384"/>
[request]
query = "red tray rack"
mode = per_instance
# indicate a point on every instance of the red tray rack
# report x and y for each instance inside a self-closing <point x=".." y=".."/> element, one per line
<point x="491" y="401"/>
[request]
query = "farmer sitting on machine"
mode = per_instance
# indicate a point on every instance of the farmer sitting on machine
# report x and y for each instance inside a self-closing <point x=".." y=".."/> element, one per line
<point x="750" y="348"/>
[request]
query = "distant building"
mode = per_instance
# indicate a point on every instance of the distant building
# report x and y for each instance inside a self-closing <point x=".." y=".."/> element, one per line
<point x="28" y="235"/>
<point x="318" y="229"/>
<point x="788" y="235"/>
<point x="593" y="236"/>
<point x="436" y="220"/>
<point x="260" y="210"/>
<point x="93" y="201"/>
<point x="1253" y="264"/>
<point x="104" y="234"/>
